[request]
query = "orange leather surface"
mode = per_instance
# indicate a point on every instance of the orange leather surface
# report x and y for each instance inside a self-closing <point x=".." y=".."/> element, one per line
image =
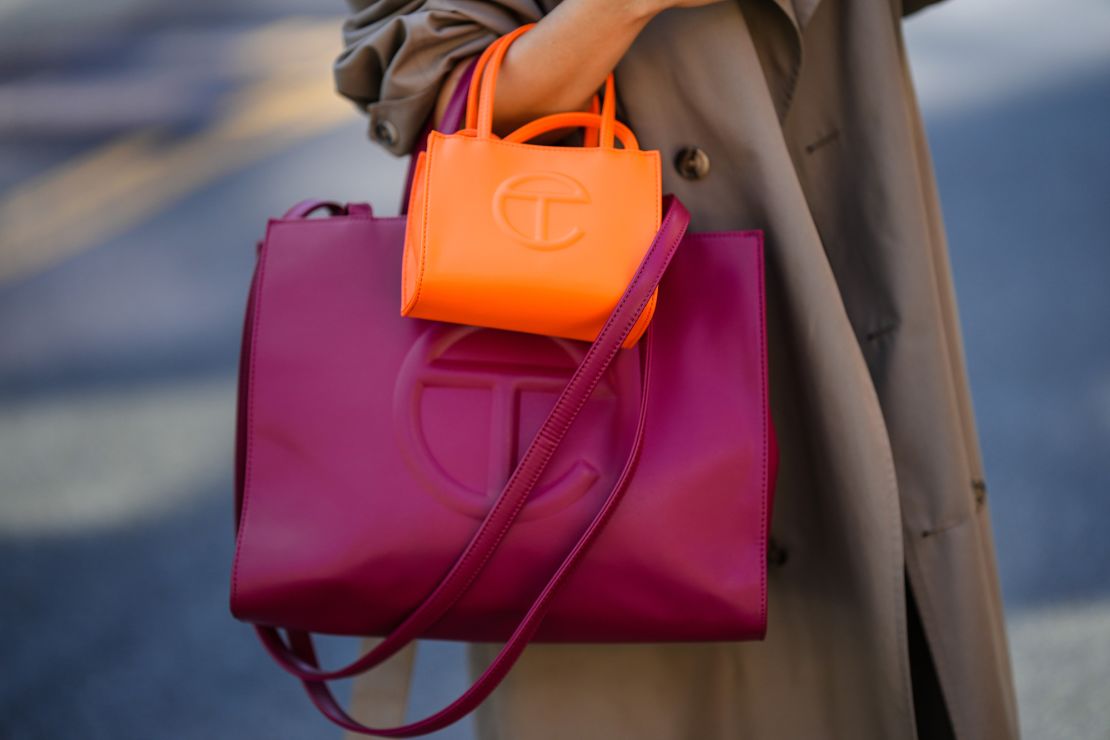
<point x="512" y="235"/>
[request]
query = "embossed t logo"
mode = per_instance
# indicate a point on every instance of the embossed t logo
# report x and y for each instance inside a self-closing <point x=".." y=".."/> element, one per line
<point x="541" y="189"/>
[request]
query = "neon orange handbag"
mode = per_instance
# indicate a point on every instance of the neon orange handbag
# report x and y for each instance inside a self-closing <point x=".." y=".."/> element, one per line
<point x="506" y="234"/>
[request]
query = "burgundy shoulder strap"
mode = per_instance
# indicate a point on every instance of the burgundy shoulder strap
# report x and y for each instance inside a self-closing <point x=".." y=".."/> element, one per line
<point x="298" y="655"/>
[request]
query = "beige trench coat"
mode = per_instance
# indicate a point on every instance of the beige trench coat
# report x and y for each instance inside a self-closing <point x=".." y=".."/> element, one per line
<point x="805" y="114"/>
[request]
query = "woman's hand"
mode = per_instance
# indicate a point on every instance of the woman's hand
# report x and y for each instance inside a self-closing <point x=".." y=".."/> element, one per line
<point x="560" y="64"/>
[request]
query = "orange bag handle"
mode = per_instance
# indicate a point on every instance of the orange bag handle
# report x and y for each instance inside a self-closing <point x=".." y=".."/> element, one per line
<point x="576" y="119"/>
<point x="592" y="134"/>
<point x="478" y="75"/>
<point x="479" y="103"/>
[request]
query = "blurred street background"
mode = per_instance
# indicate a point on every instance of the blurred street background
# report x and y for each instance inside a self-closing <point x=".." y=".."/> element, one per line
<point x="144" y="144"/>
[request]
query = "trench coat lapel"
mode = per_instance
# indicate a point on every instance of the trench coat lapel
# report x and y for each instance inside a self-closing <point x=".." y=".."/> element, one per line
<point x="778" y="26"/>
<point x="798" y="12"/>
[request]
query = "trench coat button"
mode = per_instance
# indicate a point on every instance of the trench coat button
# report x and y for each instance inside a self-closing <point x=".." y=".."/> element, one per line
<point x="979" y="487"/>
<point x="692" y="163"/>
<point x="385" y="132"/>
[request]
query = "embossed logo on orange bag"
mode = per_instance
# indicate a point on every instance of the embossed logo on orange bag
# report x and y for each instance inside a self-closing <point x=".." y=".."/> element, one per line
<point x="540" y="194"/>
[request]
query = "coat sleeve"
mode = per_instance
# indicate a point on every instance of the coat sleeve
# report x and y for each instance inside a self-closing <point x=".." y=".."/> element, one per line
<point x="397" y="54"/>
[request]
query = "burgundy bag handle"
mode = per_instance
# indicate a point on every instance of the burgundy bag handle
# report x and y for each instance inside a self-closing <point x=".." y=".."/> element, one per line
<point x="452" y="119"/>
<point x="298" y="656"/>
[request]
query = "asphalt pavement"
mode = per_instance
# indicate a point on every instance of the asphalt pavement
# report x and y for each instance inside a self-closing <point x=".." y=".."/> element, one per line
<point x="139" y="160"/>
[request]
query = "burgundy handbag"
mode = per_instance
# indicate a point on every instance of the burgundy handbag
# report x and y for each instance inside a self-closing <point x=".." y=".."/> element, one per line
<point x="408" y="479"/>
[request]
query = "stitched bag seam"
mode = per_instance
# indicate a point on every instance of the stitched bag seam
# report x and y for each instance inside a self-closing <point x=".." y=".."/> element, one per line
<point x="248" y="474"/>
<point x="433" y="140"/>
<point x="764" y="392"/>
<point x="422" y="180"/>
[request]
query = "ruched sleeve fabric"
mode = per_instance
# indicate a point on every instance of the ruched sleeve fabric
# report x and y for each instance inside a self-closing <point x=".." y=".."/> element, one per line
<point x="399" y="52"/>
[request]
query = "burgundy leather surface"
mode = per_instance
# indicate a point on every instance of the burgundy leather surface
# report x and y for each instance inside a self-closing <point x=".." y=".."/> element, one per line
<point x="694" y="475"/>
<point x="374" y="442"/>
